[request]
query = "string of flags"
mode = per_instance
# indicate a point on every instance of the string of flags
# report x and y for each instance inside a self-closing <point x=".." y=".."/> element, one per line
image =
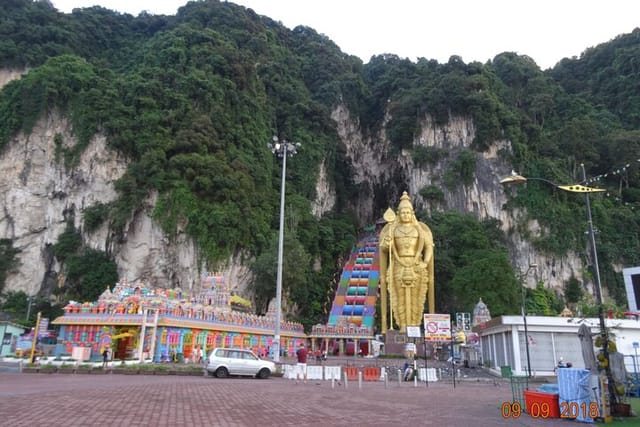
<point x="620" y="171"/>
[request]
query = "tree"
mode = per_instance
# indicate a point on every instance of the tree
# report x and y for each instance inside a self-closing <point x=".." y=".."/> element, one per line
<point x="572" y="290"/>
<point x="542" y="301"/>
<point x="295" y="265"/>
<point x="68" y="244"/>
<point x="471" y="263"/>
<point x="89" y="274"/>
<point x="14" y="303"/>
<point x="190" y="99"/>
<point x="487" y="275"/>
<point x="7" y="259"/>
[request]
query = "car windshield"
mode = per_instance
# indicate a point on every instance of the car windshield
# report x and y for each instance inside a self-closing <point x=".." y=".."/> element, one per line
<point x="236" y="354"/>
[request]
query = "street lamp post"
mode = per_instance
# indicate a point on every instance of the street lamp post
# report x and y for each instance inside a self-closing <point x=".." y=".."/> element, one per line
<point x="29" y="304"/>
<point x="282" y="149"/>
<point x="578" y="188"/>
<point x="596" y="273"/>
<point x="524" y="315"/>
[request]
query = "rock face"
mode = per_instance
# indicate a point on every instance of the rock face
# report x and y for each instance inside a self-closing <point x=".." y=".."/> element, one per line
<point x="484" y="197"/>
<point x="39" y="195"/>
<point x="325" y="194"/>
<point x="7" y="75"/>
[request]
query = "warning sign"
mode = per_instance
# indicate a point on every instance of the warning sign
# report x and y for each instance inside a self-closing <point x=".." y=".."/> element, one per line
<point x="437" y="327"/>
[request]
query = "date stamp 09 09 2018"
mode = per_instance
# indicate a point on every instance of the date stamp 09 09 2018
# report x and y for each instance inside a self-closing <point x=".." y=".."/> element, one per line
<point x="568" y="410"/>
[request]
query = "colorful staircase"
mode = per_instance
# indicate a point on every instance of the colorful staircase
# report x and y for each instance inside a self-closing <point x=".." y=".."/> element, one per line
<point x="355" y="300"/>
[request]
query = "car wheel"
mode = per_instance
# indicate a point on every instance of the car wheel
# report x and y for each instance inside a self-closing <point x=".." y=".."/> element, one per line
<point x="222" y="373"/>
<point x="264" y="373"/>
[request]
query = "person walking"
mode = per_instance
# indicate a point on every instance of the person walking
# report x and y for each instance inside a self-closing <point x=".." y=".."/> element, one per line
<point x="105" y="357"/>
<point x="301" y="366"/>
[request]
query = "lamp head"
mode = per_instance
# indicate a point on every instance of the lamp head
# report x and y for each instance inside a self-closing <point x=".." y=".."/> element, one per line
<point x="514" y="178"/>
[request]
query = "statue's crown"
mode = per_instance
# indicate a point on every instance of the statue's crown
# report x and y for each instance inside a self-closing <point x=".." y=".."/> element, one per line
<point x="405" y="201"/>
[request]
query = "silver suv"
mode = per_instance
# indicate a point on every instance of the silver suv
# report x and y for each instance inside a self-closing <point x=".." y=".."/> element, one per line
<point x="236" y="361"/>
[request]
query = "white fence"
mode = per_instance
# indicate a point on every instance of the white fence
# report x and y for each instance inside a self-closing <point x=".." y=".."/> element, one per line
<point x="335" y="372"/>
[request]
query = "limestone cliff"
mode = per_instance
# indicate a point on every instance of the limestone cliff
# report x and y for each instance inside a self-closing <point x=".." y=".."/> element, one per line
<point x="484" y="198"/>
<point x="39" y="195"/>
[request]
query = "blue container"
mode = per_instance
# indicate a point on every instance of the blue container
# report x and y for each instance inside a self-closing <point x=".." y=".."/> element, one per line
<point x="548" y="388"/>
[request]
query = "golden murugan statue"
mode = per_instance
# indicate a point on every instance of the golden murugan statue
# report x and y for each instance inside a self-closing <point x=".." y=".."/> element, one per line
<point x="406" y="267"/>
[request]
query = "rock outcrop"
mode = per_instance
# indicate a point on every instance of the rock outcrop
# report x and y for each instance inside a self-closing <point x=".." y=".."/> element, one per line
<point x="40" y="195"/>
<point x="484" y="197"/>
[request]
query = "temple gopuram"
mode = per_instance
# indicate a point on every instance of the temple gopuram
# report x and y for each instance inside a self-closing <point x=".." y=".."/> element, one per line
<point x="135" y="321"/>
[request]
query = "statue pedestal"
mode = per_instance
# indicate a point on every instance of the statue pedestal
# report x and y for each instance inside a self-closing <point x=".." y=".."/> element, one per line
<point x="395" y="342"/>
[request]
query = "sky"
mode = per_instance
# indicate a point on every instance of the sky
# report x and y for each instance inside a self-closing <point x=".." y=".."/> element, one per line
<point x="476" y="30"/>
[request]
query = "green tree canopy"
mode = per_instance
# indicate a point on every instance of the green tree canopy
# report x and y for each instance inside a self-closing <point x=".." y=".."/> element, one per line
<point x="471" y="262"/>
<point x="191" y="100"/>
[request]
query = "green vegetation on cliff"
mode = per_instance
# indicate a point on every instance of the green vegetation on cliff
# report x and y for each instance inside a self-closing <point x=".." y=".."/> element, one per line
<point x="191" y="101"/>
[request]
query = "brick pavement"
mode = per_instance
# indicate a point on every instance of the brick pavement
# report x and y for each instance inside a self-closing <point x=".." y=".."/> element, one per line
<point x="146" y="400"/>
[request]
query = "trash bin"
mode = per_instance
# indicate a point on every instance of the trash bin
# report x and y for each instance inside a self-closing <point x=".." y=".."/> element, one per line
<point x="505" y="371"/>
<point x="541" y="404"/>
<point x="518" y="385"/>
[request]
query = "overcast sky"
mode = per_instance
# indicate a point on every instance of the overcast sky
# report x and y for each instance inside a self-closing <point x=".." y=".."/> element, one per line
<point x="476" y="30"/>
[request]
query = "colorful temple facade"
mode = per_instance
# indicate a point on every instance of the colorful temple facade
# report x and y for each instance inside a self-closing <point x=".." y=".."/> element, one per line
<point x="139" y="322"/>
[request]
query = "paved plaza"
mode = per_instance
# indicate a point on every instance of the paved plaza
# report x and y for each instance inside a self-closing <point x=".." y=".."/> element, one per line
<point x="166" y="400"/>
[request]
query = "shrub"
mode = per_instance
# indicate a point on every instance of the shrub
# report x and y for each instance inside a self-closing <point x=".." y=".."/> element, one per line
<point x="423" y="156"/>
<point x="145" y="367"/>
<point x="432" y="194"/>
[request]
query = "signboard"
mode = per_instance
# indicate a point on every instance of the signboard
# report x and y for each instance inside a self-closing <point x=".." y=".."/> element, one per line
<point x="437" y="327"/>
<point x="44" y="326"/>
<point x="413" y="331"/>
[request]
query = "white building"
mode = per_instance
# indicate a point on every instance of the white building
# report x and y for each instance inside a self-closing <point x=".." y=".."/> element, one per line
<point x="502" y="342"/>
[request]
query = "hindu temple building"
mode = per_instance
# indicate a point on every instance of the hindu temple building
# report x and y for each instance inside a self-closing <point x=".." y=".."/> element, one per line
<point x="481" y="313"/>
<point x="136" y="321"/>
